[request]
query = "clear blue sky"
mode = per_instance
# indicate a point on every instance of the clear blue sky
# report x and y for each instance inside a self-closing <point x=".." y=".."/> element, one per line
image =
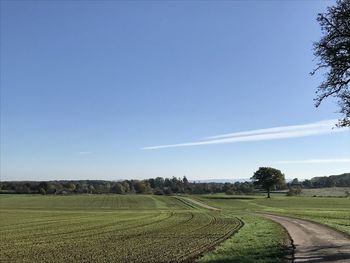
<point x="86" y="84"/>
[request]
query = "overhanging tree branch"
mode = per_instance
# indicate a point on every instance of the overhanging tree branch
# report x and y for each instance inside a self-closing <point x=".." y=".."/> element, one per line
<point x="333" y="54"/>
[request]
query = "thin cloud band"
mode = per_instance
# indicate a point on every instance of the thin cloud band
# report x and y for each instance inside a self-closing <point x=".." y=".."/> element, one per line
<point x="283" y="132"/>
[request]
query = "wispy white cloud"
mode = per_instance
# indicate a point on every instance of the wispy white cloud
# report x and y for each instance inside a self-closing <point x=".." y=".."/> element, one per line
<point x="310" y="129"/>
<point x="311" y="161"/>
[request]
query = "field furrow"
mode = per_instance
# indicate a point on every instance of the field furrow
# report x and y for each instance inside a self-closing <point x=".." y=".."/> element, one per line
<point x="161" y="229"/>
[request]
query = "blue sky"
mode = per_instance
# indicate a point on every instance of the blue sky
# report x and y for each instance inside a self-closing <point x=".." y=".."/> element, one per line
<point x="87" y="85"/>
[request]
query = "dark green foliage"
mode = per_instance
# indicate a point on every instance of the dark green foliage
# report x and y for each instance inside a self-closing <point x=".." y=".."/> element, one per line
<point x="294" y="190"/>
<point x="22" y="188"/>
<point x="140" y="187"/>
<point x="158" y="191"/>
<point x="158" y="186"/>
<point x="42" y="191"/>
<point x="333" y="53"/>
<point x="167" y="191"/>
<point x="118" y="188"/>
<point x="342" y="180"/>
<point x="294" y="182"/>
<point x="268" y="178"/>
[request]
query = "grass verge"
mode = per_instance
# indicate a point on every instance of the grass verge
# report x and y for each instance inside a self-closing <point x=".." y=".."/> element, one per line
<point x="259" y="240"/>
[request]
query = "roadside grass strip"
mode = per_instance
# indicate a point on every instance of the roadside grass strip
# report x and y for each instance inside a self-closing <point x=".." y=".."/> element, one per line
<point x="259" y="240"/>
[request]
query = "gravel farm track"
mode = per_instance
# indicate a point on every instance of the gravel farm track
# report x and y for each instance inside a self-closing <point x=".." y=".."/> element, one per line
<point x="314" y="242"/>
<point x="189" y="200"/>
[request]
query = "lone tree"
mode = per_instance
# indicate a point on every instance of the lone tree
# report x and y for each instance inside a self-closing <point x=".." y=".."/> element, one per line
<point x="333" y="54"/>
<point x="267" y="178"/>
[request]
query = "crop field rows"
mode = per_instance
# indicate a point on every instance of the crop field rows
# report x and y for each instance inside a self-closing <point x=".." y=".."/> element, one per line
<point x="90" y="202"/>
<point x="147" y="228"/>
<point x="152" y="233"/>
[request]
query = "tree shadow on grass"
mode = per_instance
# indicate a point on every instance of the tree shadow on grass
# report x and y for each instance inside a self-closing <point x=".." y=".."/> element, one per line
<point x="317" y="254"/>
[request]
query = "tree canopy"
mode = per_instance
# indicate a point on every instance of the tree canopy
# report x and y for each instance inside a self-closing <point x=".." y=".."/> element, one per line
<point x="333" y="54"/>
<point x="267" y="178"/>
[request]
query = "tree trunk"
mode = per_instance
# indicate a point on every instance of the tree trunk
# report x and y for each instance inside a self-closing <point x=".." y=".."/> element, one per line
<point x="268" y="192"/>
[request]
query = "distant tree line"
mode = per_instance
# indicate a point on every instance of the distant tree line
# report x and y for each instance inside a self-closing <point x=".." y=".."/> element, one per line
<point x="161" y="186"/>
<point x="295" y="186"/>
<point x="342" y="180"/>
<point x="157" y="186"/>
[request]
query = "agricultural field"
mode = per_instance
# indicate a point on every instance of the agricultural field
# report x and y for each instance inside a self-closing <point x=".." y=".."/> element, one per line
<point x="108" y="228"/>
<point x="149" y="228"/>
<point x="331" y="211"/>
<point x="327" y="192"/>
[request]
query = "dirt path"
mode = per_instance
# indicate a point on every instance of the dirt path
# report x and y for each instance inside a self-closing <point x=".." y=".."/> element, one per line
<point x="314" y="242"/>
<point x="195" y="202"/>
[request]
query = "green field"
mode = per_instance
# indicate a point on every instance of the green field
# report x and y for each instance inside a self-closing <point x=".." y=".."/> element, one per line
<point x="331" y="211"/>
<point x="260" y="240"/>
<point x="327" y="192"/>
<point x="149" y="228"/>
<point x="107" y="228"/>
<point x="264" y="241"/>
